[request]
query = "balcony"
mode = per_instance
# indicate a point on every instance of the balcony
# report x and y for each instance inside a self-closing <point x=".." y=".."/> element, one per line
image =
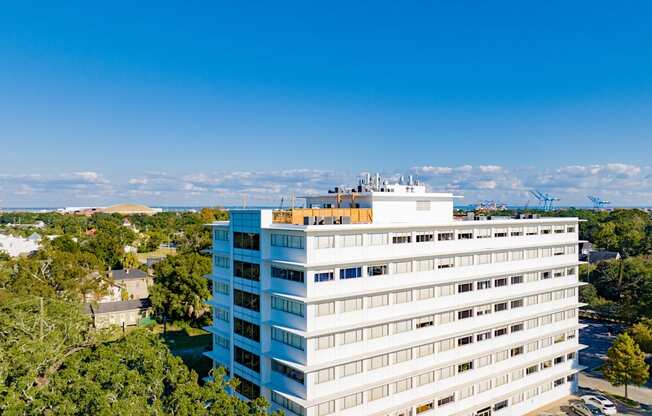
<point x="323" y="216"/>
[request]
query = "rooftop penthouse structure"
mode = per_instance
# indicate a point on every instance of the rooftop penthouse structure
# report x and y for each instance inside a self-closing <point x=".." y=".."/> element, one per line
<point x="376" y="300"/>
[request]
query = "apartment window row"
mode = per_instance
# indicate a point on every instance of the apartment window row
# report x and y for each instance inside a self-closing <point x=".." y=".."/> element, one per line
<point x="287" y="274"/>
<point x="437" y="347"/>
<point x="220" y="235"/>
<point x="246" y="329"/>
<point x="288" y="372"/>
<point x="288" y="306"/>
<point x="288" y="338"/>
<point x="221" y="261"/>
<point x="247" y="241"/>
<point x="431" y="292"/>
<point x="221" y="341"/>
<point x="287" y="240"/>
<point x="247" y="388"/>
<point x="247" y="300"/>
<point x="246" y="358"/>
<point x="288" y="404"/>
<point x="221" y="314"/>
<point x="222" y="287"/>
<point x="376" y="239"/>
<point x="444" y="262"/>
<point x="465" y="392"/>
<point x="246" y="270"/>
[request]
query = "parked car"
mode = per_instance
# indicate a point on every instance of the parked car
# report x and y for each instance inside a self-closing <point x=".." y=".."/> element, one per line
<point x="584" y="409"/>
<point x="607" y="406"/>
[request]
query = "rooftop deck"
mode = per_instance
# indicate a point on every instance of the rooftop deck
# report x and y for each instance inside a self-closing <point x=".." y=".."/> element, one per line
<point x="323" y="216"/>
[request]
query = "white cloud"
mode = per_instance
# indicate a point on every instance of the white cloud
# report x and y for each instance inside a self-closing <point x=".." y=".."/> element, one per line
<point x="623" y="184"/>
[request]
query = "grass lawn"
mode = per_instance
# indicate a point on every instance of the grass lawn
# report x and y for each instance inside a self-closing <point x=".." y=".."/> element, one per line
<point x="189" y="344"/>
<point x="160" y="252"/>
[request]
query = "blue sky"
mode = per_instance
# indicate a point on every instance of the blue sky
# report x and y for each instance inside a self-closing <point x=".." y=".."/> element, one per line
<point x="199" y="102"/>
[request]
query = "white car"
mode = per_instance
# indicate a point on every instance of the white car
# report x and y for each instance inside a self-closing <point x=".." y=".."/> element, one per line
<point x="607" y="406"/>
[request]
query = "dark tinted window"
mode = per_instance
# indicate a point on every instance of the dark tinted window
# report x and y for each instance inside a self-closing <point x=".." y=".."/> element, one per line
<point x="246" y="329"/>
<point x="248" y="241"/>
<point x="246" y="358"/>
<point x="246" y="300"/>
<point x="248" y="389"/>
<point x="245" y="270"/>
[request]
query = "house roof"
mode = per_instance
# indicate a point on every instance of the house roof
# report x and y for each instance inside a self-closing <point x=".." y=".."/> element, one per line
<point x="602" y="255"/>
<point x="125" y="305"/>
<point x="126" y="209"/>
<point x="126" y="274"/>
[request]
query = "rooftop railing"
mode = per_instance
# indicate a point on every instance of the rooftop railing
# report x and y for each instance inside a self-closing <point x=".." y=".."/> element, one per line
<point x="323" y="216"/>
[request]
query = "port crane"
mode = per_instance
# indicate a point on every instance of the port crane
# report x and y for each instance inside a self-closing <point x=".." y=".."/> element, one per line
<point x="598" y="203"/>
<point x="546" y="200"/>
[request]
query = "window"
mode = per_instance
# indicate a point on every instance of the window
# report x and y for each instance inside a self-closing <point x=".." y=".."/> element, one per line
<point x="246" y="300"/>
<point x="245" y="270"/>
<point x="483" y="284"/>
<point x="377" y="301"/>
<point x="499" y="307"/>
<point x="465" y="235"/>
<point x="403" y="267"/>
<point x="532" y="323"/>
<point x="465" y="261"/>
<point x="222" y="314"/>
<point x="445" y="345"/>
<point x="246" y="329"/>
<point x="352" y="240"/>
<point x="502" y="355"/>
<point x="465" y="340"/>
<point x="287" y="274"/>
<point x="559" y="360"/>
<point x="402" y="385"/>
<point x="377" y="270"/>
<point x="500" y="332"/>
<point x="501" y="256"/>
<point x="221" y="341"/>
<point x="351" y="305"/>
<point x="445" y="372"/>
<point x="403" y="326"/>
<point x="531" y="253"/>
<point x="545" y="275"/>
<point x="287" y="404"/>
<point x="425" y="265"/>
<point x="500" y="405"/>
<point x="222" y="262"/>
<point x="532" y="346"/>
<point x="484" y="258"/>
<point x="425" y="407"/>
<point x="290" y="372"/>
<point x="531" y="230"/>
<point x="403" y="296"/>
<point x="221" y="235"/>
<point x="286" y="305"/>
<point x="465" y="367"/>
<point x="500" y="232"/>
<point x="558" y="382"/>
<point x="286" y="240"/>
<point x="425" y="237"/>
<point x="325" y="375"/>
<point x="483" y="233"/>
<point x="247" y="241"/>
<point x="378" y="362"/>
<point x="402" y="356"/>
<point x="246" y="358"/>
<point x="324" y="241"/>
<point x="401" y="238"/>
<point x="483" y="336"/>
<point x="350" y="369"/>
<point x="446" y="262"/>
<point x="326" y="408"/>
<point x="378" y="239"/>
<point x="350" y="401"/>
<point x="466" y="391"/>
<point x="484" y="386"/>
<point x="546" y="229"/>
<point x="446" y="400"/>
<point x="287" y="338"/>
<point x="222" y="287"/>
<point x="516" y="351"/>
<point x="570" y="229"/>
<point x="248" y="389"/>
<point x="426" y="378"/>
<point x="378" y="392"/>
<point x="483" y="361"/>
<point x="546" y="364"/>
<point x="516" y="280"/>
<point x="351" y="337"/>
<point x="424" y="322"/>
<point x="516" y="232"/>
<point x="532" y="300"/>
<point x="500" y="282"/>
<point x="446" y="317"/>
<point x="546" y="252"/>
<point x="377" y="331"/>
<point x="467" y="313"/>
<point x="425" y="293"/>
<point x="326" y="308"/>
<point x="325" y="342"/>
<point x="351" y="273"/>
<point x="465" y="287"/>
<point x="560" y="229"/>
<point x="445" y="236"/>
<point x="446" y="290"/>
<point x="323" y="276"/>
<point x="531" y="370"/>
<point x="518" y="303"/>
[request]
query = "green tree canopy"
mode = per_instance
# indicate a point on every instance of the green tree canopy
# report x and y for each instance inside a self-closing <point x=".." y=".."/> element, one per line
<point x="180" y="290"/>
<point x="625" y="365"/>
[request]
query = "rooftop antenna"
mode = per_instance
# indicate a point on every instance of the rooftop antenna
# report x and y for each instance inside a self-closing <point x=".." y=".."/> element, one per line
<point x="281" y="205"/>
<point x="244" y="201"/>
<point x="292" y="200"/>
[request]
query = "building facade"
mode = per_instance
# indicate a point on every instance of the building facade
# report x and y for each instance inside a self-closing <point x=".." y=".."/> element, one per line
<point x="377" y="301"/>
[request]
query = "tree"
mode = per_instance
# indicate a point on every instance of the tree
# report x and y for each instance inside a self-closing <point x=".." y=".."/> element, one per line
<point x="130" y="261"/>
<point x="625" y="363"/>
<point x="180" y="290"/>
<point x="641" y="332"/>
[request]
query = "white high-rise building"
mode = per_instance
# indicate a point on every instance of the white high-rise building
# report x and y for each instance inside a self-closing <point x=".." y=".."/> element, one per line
<point x="378" y="301"/>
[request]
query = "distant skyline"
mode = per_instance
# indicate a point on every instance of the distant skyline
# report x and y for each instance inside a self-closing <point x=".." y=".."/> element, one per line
<point x="197" y="104"/>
